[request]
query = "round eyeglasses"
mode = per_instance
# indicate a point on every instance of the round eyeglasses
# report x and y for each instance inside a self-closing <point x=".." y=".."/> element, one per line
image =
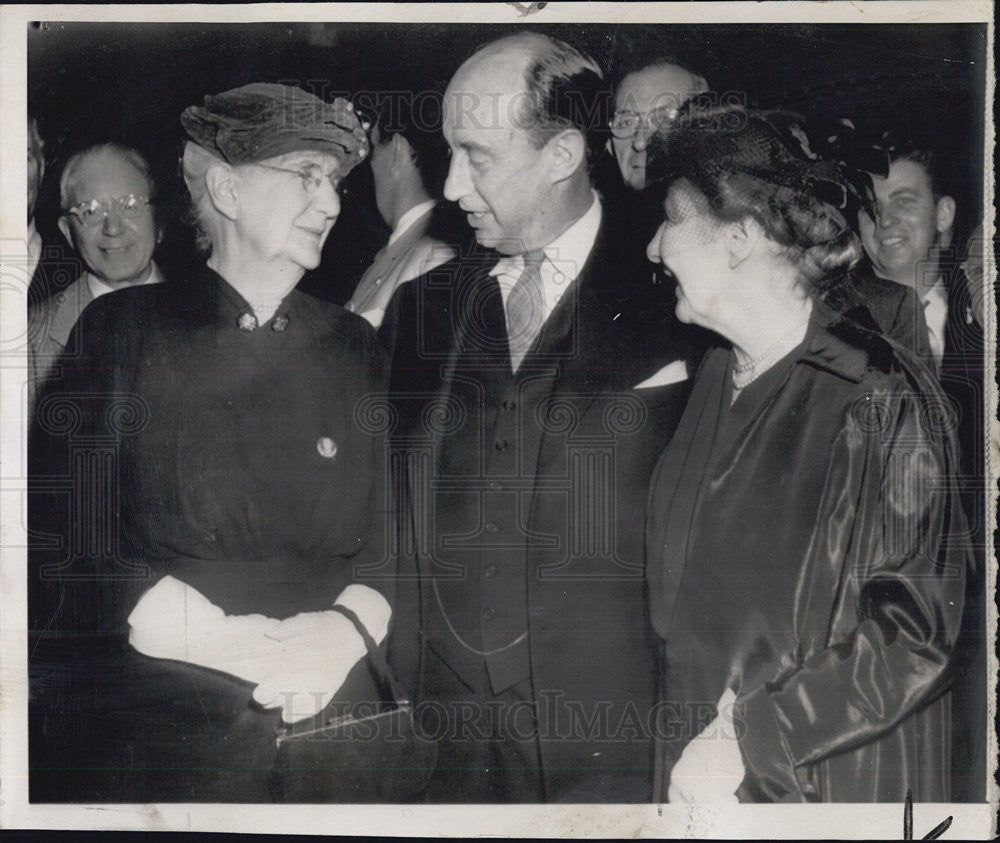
<point x="94" y="211"/>
<point x="312" y="176"/>
<point x="626" y="123"/>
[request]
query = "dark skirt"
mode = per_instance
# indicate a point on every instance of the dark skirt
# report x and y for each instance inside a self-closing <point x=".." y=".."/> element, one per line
<point x="108" y="724"/>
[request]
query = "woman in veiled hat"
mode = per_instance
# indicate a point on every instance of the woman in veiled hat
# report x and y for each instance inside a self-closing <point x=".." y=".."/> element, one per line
<point x="244" y="495"/>
<point x="799" y="571"/>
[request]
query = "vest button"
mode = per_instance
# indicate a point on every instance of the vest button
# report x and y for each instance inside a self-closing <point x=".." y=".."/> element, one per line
<point x="491" y="527"/>
<point x="490" y="571"/>
<point x="509" y="405"/>
<point x="488" y="614"/>
<point x="501" y="445"/>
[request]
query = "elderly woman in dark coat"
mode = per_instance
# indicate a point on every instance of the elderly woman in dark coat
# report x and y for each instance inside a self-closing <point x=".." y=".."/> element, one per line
<point x="800" y="569"/>
<point x="222" y="493"/>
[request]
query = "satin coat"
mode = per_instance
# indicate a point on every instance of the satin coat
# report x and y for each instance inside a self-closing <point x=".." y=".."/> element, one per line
<point x="808" y="569"/>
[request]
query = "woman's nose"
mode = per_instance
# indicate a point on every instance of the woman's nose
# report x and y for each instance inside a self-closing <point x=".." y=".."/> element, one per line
<point x="653" y="249"/>
<point x="327" y="199"/>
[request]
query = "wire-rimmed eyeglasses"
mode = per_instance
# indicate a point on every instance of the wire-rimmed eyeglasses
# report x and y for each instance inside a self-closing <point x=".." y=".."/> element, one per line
<point x="94" y="211"/>
<point x="312" y="176"/>
<point x="626" y="123"/>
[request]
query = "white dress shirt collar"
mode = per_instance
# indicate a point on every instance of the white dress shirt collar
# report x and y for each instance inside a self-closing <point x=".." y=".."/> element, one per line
<point x="98" y="288"/>
<point x="564" y="259"/>
<point x="410" y="218"/>
<point x="935" y="302"/>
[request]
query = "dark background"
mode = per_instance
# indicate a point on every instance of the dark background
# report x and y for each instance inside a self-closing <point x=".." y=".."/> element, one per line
<point x="129" y="82"/>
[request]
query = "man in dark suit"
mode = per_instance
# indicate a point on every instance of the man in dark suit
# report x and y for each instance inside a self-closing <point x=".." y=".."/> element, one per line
<point x="536" y="378"/>
<point x="878" y="303"/>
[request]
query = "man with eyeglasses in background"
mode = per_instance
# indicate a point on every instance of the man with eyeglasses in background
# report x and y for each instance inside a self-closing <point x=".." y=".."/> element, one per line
<point x="645" y="101"/>
<point x="106" y="194"/>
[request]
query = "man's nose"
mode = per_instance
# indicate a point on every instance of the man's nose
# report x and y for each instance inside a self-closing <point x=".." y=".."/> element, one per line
<point x="113" y="224"/>
<point x="643" y="132"/>
<point x="457" y="184"/>
<point x="885" y="216"/>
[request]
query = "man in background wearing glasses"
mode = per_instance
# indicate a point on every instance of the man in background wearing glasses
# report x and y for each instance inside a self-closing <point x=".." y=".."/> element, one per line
<point x="647" y="99"/>
<point x="106" y="194"/>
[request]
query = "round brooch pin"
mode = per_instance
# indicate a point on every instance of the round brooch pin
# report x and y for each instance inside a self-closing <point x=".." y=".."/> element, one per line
<point x="280" y="324"/>
<point x="247" y="322"/>
<point x="327" y="447"/>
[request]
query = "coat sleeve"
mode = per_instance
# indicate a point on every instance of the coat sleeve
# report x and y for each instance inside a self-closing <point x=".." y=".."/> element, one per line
<point x="899" y="607"/>
<point x="77" y="573"/>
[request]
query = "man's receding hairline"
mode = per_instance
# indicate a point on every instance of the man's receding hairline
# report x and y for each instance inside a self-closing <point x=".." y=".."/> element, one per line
<point x="695" y="80"/>
<point x="88" y="154"/>
<point x="69" y="180"/>
<point x="488" y="53"/>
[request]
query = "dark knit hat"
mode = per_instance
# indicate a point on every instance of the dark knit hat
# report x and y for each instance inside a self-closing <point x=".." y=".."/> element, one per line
<point x="263" y="120"/>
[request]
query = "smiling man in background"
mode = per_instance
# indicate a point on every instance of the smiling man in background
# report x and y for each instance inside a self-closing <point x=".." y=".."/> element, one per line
<point x="913" y="223"/>
<point x="106" y="194"/>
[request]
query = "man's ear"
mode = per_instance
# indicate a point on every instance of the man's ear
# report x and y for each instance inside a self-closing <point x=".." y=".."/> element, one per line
<point x="945" y="214"/>
<point x="567" y="152"/>
<point x="67" y="232"/>
<point x="220" y="183"/>
<point x="402" y="151"/>
<point x="742" y="238"/>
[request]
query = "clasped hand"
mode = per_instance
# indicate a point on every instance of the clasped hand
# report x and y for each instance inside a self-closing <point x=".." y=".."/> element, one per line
<point x="297" y="664"/>
<point x="316" y="652"/>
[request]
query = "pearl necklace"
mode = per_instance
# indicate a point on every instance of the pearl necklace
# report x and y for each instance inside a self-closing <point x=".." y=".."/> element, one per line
<point x="745" y="374"/>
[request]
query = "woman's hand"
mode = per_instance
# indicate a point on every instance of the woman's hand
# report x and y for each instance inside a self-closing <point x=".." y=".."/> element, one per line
<point x="711" y="767"/>
<point x="318" y="651"/>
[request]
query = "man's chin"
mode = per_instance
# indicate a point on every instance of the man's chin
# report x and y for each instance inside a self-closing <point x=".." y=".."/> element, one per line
<point x="637" y="181"/>
<point x="489" y="241"/>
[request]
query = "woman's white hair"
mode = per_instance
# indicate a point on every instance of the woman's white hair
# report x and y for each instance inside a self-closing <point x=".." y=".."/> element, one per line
<point x="195" y="163"/>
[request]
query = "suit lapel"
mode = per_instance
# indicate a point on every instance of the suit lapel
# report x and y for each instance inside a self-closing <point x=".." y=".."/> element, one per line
<point x="480" y="340"/>
<point x="77" y="297"/>
<point x="593" y="336"/>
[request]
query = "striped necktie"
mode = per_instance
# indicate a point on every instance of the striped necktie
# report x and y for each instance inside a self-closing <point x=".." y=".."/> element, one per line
<point x="525" y="308"/>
